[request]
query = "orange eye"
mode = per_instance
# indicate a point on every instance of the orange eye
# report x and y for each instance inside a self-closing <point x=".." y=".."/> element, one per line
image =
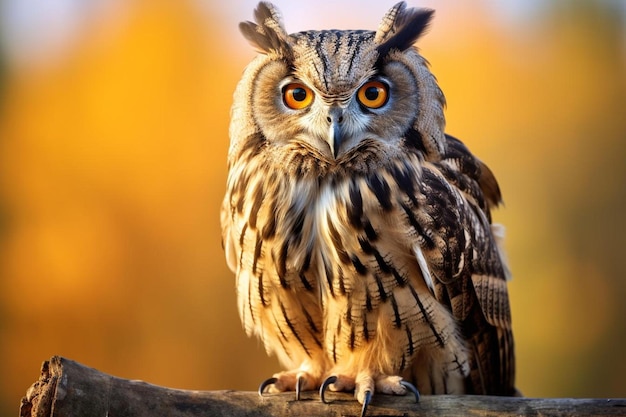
<point x="373" y="94"/>
<point x="297" y="96"/>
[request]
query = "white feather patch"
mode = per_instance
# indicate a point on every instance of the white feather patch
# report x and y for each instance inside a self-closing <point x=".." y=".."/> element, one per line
<point x="498" y="233"/>
<point x="421" y="261"/>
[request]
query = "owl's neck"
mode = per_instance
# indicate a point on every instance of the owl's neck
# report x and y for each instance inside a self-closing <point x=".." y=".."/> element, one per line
<point x="305" y="162"/>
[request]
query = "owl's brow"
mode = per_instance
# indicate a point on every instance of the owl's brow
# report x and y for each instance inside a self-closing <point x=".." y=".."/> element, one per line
<point x="334" y="55"/>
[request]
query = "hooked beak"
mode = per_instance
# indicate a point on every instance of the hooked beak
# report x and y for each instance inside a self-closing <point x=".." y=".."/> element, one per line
<point x="335" y="136"/>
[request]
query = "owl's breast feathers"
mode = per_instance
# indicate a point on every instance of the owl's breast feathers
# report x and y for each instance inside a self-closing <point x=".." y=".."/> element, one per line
<point x="410" y="237"/>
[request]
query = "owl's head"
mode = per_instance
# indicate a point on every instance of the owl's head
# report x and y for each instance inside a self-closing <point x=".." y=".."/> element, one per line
<point x="335" y="94"/>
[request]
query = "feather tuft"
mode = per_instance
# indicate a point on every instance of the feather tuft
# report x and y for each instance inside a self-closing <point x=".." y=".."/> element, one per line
<point x="401" y="27"/>
<point x="268" y="32"/>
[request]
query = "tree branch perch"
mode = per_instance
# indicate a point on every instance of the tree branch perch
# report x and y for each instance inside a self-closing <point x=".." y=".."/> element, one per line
<point x="67" y="388"/>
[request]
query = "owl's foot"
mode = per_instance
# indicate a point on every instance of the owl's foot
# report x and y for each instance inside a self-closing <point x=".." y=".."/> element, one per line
<point x="297" y="381"/>
<point x="394" y="385"/>
<point x="364" y="386"/>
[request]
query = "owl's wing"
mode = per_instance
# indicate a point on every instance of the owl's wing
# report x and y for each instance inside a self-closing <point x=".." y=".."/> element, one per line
<point x="459" y="253"/>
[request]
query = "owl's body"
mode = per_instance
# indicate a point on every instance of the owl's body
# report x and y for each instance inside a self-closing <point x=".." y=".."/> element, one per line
<point x="359" y="232"/>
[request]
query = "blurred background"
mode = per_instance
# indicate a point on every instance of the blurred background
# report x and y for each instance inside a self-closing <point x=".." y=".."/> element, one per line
<point x="113" y="141"/>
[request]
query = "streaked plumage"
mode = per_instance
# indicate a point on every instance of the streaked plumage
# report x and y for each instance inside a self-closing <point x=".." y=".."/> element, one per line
<point x="360" y="233"/>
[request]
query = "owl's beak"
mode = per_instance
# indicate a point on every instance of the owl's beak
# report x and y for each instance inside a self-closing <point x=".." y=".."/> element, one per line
<point x="335" y="136"/>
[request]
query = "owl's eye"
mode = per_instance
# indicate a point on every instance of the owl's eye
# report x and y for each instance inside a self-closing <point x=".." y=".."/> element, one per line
<point x="373" y="94"/>
<point x="297" y="96"/>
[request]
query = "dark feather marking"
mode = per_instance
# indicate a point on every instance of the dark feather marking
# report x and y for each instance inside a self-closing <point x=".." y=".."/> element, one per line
<point x="242" y="238"/>
<point x="269" y="230"/>
<point x="334" y="349"/>
<point x="403" y="363"/>
<point x="381" y="189"/>
<point x="305" y="282"/>
<point x="280" y="329"/>
<point x="401" y="280"/>
<point x="409" y="336"/>
<point x="381" y="288"/>
<point x="261" y="290"/>
<point x="355" y="208"/>
<point x="426" y="316"/>
<point x="281" y="265"/>
<point x="284" y="336"/>
<point x="307" y="260"/>
<point x="358" y="265"/>
<point x="370" y="232"/>
<point x="328" y="269"/>
<point x="366" y="246"/>
<point x="458" y="363"/>
<point x="336" y="240"/>
<point x="342" y="286"/>
<point x="457" y="151"/>
<point x="313" y="328"/>
<point x="239" y="206"/>
<point x="257" y="200"/>
<point x="382" y="263"/>
<point x="396" y="313"/>
<point x="352" y="338"/>
<point x="293" y="329"/>
<point x="311" y="35"/>
<point x="351" y="39"/>
<point x="366" y="333"/>
<point x="368" y="300"/>
<point x="414" y="139"/>
<point x="405" y="183"/>
<point x="384" y="266"/>
<point x="338" y="38"/>
<point x="296" y="230"/>
<point x="323" y="57"/>
<point x="284" y="346"/>
<point x="239" y="190"/>
<point x="257" y="252"/>
<point x="250" y="303"/>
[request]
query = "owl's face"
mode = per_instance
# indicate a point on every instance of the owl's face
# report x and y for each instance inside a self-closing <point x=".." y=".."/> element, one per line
<point x="333" y="97"/>
<point x="336" y="94"/>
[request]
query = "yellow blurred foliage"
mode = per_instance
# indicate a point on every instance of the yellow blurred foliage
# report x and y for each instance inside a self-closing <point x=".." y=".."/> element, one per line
<point x="113" y="163"/>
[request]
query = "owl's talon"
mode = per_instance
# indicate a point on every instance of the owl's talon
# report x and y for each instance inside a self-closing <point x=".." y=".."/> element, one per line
<point x="299" y="383"/>
<point x="366" y="401"/>
<point x="411" y="388"/>
<point x="330" y="380"/>
<point x="267" y="383"/>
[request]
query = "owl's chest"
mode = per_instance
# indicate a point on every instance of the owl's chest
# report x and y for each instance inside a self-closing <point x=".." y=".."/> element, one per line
<point x="321" y="224"/>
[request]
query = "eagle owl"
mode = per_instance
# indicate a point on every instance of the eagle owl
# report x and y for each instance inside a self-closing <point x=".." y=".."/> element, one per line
<point x="359" y="232"/>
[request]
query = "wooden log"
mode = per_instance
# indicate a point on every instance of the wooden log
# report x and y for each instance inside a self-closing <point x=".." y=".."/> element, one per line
<point x="67" y="388"/>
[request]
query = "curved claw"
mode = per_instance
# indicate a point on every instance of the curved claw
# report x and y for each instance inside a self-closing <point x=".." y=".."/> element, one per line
<point x="299" y="383"/>
<point x="330" y="380"/>
<point x="366" y="402"/>
<point x="411" y="388"/>
<point x="265" y="384"/>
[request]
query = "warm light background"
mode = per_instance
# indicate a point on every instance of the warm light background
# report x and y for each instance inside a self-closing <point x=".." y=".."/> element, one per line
<point x="113" y="139"/>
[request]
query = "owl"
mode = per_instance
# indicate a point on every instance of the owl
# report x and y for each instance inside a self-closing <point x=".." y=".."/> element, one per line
<point x="359" y="232"/>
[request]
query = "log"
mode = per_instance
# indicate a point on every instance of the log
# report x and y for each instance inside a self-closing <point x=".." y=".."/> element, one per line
<point x="67" y="388"/>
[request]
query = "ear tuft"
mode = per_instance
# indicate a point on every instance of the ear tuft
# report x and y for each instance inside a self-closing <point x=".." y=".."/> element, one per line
<point x="268" y="33"/>
<point x="401" y="27"/>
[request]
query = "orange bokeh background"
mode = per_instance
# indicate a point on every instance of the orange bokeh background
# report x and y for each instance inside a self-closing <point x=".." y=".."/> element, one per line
<point x="113" y="164"/>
